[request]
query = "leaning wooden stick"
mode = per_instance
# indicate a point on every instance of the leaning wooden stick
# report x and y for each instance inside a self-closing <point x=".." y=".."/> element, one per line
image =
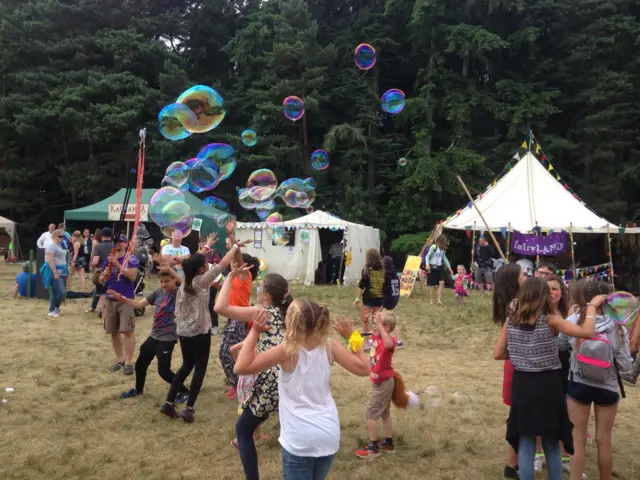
<point x="495" y="242"/>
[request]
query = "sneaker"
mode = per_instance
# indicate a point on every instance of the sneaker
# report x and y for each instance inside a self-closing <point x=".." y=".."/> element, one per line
<point x="566" y="464"/>
<point x="388" y="446"/>
<point x="511" y="473"/>
<point x="399" y="344"/>
<point x="629" y="378"/>
<point x="214" y="331"/>
<point x="182" y="397"/>
<point x="169" y="410"/>
<point x="129" y="394"/>
<point x="57" y="310"/>
<point x="370" y="451"/>
<point x="188" y="415"/>
<point x="53" y="314"/>
<point x="115" y="367"/>
<point x="128" y="369"/>
<point x="538" y="462"/>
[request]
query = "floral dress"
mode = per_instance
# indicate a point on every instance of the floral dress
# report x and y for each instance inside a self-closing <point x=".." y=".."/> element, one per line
<point x="263" y="400"/>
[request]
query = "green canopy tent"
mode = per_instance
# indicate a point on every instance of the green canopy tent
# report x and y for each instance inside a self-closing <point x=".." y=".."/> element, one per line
<point x="108" y="211"/>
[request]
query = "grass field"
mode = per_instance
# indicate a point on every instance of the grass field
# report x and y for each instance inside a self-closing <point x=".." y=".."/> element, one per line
<point x="65" y="421"/>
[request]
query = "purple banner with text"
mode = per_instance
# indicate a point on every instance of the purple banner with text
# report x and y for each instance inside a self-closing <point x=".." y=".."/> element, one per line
<point x="530" y="244"/>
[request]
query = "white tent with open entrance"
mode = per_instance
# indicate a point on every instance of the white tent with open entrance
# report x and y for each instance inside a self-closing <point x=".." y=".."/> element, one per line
<point x="8" y="237"/>
<point x="311" y="238"/>
<point x="527" y="197"/>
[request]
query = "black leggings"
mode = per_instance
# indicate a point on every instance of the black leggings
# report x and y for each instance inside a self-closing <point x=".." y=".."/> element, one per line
<point x="162" y="350"/>
<point x="212" y="301"/>
<point x="245" y="426"/>
<point x="195" y="353"/>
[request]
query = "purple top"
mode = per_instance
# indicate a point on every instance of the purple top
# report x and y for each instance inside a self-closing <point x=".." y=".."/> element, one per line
<point x="118" y="282"/>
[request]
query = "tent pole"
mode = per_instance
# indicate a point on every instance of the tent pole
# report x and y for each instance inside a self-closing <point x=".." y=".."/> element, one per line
<point x="508" y="239"/>
<point x="495" y="242"/>
<point x="573" y="257"/>
<point x="473" y="246"/>
<point x="610" y="258"/>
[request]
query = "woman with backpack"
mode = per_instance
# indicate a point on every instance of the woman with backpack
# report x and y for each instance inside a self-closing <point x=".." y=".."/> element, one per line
<point x="594" y="376"/>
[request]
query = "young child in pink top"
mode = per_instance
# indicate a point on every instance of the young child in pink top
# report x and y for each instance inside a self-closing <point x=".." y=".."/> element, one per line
<point x="461" y="281"/>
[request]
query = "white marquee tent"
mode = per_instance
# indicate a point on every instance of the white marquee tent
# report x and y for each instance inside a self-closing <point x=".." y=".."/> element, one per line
<point x="10" y="227"/>
<point x="300" y="261"/>
<point x="528" y="196"/>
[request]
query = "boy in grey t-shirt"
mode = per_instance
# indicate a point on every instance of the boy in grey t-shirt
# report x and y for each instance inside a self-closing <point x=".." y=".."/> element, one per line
<point x="163" y="337"/>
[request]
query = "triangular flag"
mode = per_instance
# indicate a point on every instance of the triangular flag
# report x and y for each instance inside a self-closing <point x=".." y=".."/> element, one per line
<point x="503" y="231"/>
<point x="515" y="157"/>
<point x="550" y="167"/>
<point x="543" y="157"/>
<point x="538" y="148"/>
<point x="494" y="183"/>
<point x="524" y="144"/>
<point x="468" y="232"/>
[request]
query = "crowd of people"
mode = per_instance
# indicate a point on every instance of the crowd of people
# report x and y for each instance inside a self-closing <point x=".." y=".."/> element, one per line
<point x="562" y="353"/>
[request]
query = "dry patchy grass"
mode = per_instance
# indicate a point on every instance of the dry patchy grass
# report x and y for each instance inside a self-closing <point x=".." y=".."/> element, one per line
<point x="65" y="420"/>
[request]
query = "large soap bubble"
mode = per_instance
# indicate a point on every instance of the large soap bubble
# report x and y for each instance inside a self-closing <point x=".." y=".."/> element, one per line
<point x="217" y="203"/>
<point x="297" y="193"/>
<point x="392" y="101"/>
<point x="320" y="160"/>
<point x="205" y="175"/>
<point x="245" y="199"/>
<point x="177" y="173"/>
<point x="222" y="155"/>
<point x="177" y="214"/>
<point x="207" y="106"/>
<point x="174" y="121"/>
<point x="276" y="230"/>
<point x="163" y="197"/>
<point x="262" y="184"/>
<point x="293" y="108"/>
<point x="365" y="56"/>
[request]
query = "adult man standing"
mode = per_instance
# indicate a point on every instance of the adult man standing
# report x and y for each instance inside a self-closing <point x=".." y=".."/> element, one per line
<point x="99" y="257"/>
<point x="176" y="249"/>
<point x="46" y="236"/>
<point x="544" y="270"/>
<point x="484" y="258"/>
<point x="119" y="318"/>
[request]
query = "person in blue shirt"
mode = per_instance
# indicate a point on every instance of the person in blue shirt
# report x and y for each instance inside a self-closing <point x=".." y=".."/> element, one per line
<point x="22" y="283"/>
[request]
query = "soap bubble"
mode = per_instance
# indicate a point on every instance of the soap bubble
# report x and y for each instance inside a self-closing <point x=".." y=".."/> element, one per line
<point x="249" y="137"/>
<point x="177" y="173"/>
<point x="161" y="199"/>
<point x="222" y="155"/>
<point x="263" y="208"/>
<point x="365" y="56"/>
<point x="319" y="160"/>
<point x="274" y="219"/>
<point x="245" y="199"/>
<point x="276" y="229"/>
<point x="293" y="108"/>
<point x="309" y="209"/>
<point x="207" y="106"/>
<point x="177" y="214"/>
<point x="262" y="213"/>
<point x="190" y="185"/>
<point x="459" y="397"/>
<point x="402" y="162"/>
<point x="216" y="203"/>
<point x="393" y="101"/>
<point x="297" y="193"/>
<point x="174" y="120"/>
<point x="205" y="175"/>
<point x="622" y="307"/>
<point x="262" y="184"/>
<point x="167" y="231"/>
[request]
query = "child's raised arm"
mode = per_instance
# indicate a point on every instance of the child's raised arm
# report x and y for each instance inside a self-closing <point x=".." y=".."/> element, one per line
<point x="587" y="330"/>
<point x="222" y="307"/>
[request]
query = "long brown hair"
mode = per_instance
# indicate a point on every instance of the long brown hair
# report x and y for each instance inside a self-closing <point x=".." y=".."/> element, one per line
<point x="191" y="267"/>
<point x="306" y="320"/>
<point x="505" y="289"/>
<point x="563" y="305"/>
<point x="278" y="289"/>
<point x="373" y="261"/>
<point x="533" y="301"/>
<point x="441" y="241"/>
<point x="583" y="291"/>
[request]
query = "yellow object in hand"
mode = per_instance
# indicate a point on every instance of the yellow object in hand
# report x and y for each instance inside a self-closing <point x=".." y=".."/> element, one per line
<point x="356" y="342"/>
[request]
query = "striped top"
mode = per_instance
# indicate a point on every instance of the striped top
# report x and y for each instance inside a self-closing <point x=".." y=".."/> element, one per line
<point x="532" y="348"/>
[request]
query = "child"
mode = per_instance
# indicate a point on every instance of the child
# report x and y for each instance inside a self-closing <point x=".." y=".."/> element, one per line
<point x="370" y="289"/>
<point x="460" y="279"/>
<point x="435" y="263"/>
<point x="163" y="337"/>
<point x="391" y="292"/>
<point x="309" y="422"/>
<point x="538" y="406"/>
<point x="382" y="383"/>
<point x="193" y="325"/>
<point x="273" y="296"/>
<point x="594" y="376"/>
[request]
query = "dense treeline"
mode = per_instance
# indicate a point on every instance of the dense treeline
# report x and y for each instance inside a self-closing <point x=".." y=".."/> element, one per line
<point x="78" y="79"/>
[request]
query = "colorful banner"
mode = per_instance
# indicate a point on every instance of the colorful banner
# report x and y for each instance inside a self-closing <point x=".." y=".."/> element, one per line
<point x="598" y="272"/>
<point x="409" y="275"/>
<point x="547" y="245"/>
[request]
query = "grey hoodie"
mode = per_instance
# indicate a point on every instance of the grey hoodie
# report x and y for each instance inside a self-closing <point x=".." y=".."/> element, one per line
<point x="621" y="352"/>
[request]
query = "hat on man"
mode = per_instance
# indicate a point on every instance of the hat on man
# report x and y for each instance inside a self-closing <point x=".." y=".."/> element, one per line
<point x="106" y="232"/>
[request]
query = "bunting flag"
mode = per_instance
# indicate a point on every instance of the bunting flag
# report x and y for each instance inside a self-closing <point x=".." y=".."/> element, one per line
<point x="599" y="272"/>
<point x="550" y="167"/>
<point x="503" y="231"/>
<point x="621" y="231"/>
<point x="516" y="157"/>
<point x="544" y="157"/>
<point x="524" y="144"/>
<point x="467" y="230"/>
<point x="538" y="148"/>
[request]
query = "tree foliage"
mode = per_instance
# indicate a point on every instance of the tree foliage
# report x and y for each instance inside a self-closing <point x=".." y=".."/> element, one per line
<point x="78" y="79"/>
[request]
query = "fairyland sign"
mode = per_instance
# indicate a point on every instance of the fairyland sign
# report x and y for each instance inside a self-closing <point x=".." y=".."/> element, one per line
<point x="547" y="245"/>
<point x="116" y="208"/>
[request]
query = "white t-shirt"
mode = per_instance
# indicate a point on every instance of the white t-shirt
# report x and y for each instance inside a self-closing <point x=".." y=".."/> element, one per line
<point x="44" y="239"/>
<point x="180" y="251"/>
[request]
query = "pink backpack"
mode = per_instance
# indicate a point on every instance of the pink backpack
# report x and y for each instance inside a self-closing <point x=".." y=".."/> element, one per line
<point x="595" y="358"/>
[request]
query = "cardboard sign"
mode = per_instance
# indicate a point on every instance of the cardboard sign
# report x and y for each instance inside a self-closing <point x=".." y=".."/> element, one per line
<point x="116" y="208"/>
<point x="409" y="275"/>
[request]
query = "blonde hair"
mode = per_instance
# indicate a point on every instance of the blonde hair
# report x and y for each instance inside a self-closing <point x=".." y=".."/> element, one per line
<point x="58" y="233"/>
<point x="388" y="318"/>
<point x="463" y="268"/>
<point x="77" y="237"/>
<point x="306" y="320"/>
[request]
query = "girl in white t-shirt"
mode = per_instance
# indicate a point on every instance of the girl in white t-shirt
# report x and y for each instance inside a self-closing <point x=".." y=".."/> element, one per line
<point x="309" y="423"/>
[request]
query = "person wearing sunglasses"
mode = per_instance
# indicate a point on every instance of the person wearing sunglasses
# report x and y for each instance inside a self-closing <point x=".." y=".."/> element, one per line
<point x="57" y="262"/>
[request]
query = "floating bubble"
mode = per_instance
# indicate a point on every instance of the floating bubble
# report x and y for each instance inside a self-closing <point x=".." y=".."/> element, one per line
<point x="622" y="307"/>
<point x="263" y="208"/>
<point x="174" y="120"/>
<point x="309" y="209"/>
<point x="262" y="184"/>
<point x="293" y="108"/>
<point x="365" y="56"/>
<point x="319" y="160"/>
<point x="177" y="215"/>
<point x="222" y="155"/>
<point x="249" y="137"/>
<point x="245" y="199"/>
<point x="402" y="162"/>
<point x="207" y="106"/>
<point x="178" y="173"/>
<point x="393" y="101"/>
<point x="190" y="185"/>
<point x="276" y="229"/>
<point x="161" y="199"/>
<point x="262" y="213"/>
<point x="216" y="203"/>
<point x="9" y="389"/>
<point x="433" y="391"/>
<point x="297" y="193"/>
<point x="167" y="231"/>
<point x="414" y="400"/>
<point x="205" y="175"/>
<point x="459" y="397"/>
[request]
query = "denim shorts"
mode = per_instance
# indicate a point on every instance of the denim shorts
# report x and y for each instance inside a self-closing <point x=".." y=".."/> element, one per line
<point x="305" y="468"/>
<point x="586" y="395"/>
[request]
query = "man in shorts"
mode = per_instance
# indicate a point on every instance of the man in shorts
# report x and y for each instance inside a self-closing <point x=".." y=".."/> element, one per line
<point x="484" y="259"/>
<point x="98" y="258"/>
<point x="119" y="318"/>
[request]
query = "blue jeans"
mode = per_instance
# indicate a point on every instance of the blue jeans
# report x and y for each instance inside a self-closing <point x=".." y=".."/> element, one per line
<point x="57" y="292"/>
<point x="305" y="468"/>
<point x="527" y="453"/>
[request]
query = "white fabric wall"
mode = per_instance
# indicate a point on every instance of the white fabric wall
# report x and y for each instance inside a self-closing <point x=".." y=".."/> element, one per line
<point x="360" y="238"/>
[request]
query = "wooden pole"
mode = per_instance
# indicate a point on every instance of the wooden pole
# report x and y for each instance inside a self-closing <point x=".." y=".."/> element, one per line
<point x="495" y="242"/>
<point x="573" y="256"/>
<point x="613" y="285"/>
<point x="508" y="239"/>
<point x="473" y="246"/>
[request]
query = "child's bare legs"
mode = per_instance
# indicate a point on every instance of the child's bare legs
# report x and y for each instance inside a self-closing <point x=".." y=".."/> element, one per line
<point x="579" y="416"/>
<point x="440" y="292"/>
<point x="372" y="427"/>
<point x="431" y="295"/>
<point x="460" y="299"/>
<point x="512" y="456"/>
<point x="387" y="427"/>
<point x="605" y="417"/>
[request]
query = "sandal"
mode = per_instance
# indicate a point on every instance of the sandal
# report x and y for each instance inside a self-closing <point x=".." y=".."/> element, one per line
<point x="115" y="367"/>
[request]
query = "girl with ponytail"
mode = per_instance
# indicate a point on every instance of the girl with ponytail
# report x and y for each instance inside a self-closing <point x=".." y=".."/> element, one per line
<point x="309" y="423"/>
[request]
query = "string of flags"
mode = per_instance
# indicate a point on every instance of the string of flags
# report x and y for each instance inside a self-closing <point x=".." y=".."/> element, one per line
<point x="599" y="272"/>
